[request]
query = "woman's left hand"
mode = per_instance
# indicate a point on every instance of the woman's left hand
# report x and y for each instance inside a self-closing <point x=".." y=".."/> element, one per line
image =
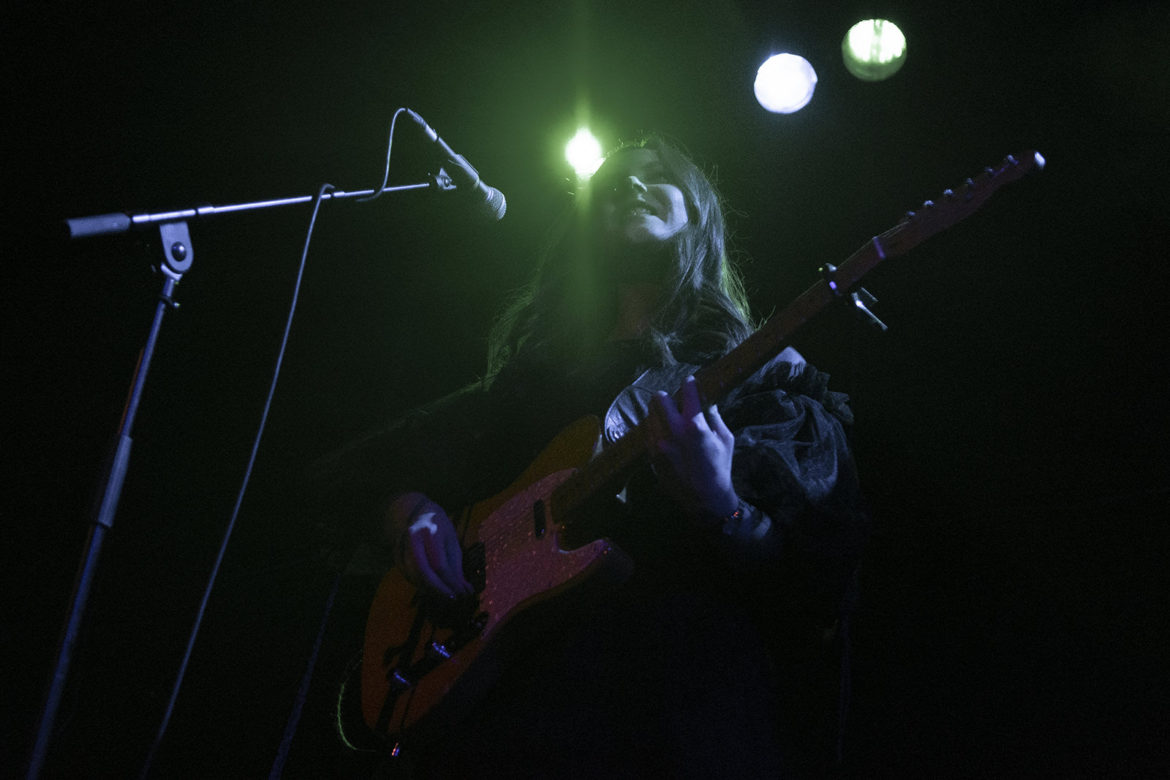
<point x="691" y="448"/>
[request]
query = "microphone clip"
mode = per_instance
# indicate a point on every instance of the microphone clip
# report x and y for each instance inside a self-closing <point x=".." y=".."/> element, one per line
<point x="442" y="181"/>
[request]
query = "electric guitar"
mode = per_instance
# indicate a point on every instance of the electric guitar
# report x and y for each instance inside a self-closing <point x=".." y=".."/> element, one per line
<point x="426" y="660"/>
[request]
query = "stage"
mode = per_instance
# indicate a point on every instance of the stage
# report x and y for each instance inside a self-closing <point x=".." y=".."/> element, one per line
<point x="1011" y="424"/>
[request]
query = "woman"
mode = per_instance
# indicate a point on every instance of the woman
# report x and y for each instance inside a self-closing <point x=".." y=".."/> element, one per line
<point x="743" y="530"/>
<point x="643" y="267"/>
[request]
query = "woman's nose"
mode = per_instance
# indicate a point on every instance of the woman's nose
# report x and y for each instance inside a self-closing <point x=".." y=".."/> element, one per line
<point x="635" y="184"/>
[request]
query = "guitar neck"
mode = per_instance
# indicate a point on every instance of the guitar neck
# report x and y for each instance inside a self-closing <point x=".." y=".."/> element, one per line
<point x="716" y="380"/>
<point x="614" y="463"/>
<point x="617" y="460"/>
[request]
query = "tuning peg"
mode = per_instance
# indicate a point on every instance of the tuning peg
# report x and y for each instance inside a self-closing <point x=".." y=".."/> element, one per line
<point x="928" y="204"/>
<point x="829" y="274"/>
<point x="1011" y="160"/>
<point x="910" y="215"/>
<point x="948" y="193"/>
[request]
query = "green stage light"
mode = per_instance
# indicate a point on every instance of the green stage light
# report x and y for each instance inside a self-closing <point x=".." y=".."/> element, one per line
<point x="584" y="153"/>
<point x="874" y="49"/>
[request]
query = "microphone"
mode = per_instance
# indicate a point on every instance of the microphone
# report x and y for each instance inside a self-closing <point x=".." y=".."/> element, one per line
<point x="490" y="202"/>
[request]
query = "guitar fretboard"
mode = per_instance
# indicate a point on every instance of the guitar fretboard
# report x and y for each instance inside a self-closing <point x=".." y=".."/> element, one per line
<point x="615" y="462"/>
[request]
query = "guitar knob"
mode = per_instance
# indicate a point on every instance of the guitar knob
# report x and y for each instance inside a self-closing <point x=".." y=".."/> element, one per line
<point x="437" y="652"/>
<point x="399" y="682"/>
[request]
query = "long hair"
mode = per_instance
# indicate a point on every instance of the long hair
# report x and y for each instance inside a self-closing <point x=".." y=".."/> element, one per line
<point x="568" y="307"/>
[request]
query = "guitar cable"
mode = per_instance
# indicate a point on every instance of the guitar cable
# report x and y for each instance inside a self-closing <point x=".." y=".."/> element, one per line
<point x="324" y="188"/>
<point x="290" y="728"/>
<point x="298" y="706"/>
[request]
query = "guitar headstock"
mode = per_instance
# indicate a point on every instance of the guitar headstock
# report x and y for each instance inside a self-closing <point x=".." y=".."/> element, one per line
<point x="933" y="216"/>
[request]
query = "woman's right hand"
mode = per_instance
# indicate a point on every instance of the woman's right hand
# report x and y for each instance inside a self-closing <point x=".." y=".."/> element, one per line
<point x="426" y="545"/>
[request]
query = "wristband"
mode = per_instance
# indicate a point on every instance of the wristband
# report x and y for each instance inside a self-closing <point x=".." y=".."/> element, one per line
<point x="746" y="522"/>
<point x="736" y="516"/>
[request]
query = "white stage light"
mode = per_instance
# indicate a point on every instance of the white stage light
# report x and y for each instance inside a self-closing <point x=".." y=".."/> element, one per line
<point x="584" y="153"/>
<point x="785" y="83"/>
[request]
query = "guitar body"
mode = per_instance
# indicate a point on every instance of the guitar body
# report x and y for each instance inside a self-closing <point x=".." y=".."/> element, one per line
<point x="431" y="659"/>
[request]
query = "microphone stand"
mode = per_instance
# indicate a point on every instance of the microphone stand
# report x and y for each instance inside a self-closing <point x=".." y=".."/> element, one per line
<point x="121" y="222"/>
<point x="178" y="255"/>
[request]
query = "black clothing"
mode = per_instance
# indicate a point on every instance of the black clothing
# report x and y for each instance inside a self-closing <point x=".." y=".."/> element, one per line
<point x="672" y="673"/>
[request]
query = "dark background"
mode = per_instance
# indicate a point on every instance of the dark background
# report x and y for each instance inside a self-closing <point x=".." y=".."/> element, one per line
<point x="1010" y="425"/>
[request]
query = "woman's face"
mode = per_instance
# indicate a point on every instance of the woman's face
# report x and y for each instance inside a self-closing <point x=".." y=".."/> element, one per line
<point x="638" y="203"/>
